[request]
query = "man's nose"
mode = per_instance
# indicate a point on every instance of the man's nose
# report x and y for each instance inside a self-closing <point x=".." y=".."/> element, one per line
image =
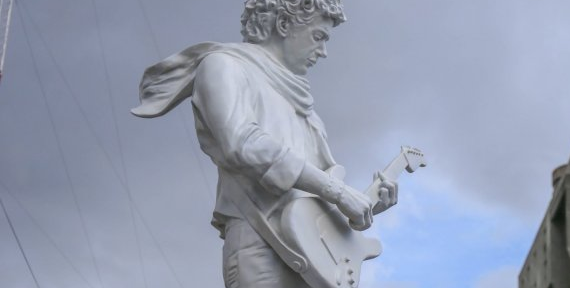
<point x="322" y="51"/>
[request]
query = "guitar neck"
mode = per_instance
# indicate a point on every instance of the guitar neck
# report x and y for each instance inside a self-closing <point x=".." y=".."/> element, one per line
<point x="391" y="172"/>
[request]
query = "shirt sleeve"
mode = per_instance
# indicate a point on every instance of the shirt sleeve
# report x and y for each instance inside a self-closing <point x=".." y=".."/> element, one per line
<point x="222" y="95"/>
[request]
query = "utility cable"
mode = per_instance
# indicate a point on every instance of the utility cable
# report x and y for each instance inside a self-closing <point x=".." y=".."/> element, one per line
<point x="45" y="233"/>
<point x="150" y="29"/>
<point x="99" y="144"/>
<point x="72" y="93"/>
<point x="59" y="146"/>
<point x="180" y="113"/>
<point x="118" y="137"/>
<point x="19" y="243"/>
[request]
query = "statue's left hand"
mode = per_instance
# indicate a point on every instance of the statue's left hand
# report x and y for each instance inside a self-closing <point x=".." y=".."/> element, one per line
<point x="388" y="193"/>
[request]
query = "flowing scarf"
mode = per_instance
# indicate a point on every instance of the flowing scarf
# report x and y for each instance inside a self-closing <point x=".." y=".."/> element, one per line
<point x="167" y="83"/>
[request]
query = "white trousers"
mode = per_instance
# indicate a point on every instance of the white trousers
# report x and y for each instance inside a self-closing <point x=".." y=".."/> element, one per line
<point x="249" y="262"/>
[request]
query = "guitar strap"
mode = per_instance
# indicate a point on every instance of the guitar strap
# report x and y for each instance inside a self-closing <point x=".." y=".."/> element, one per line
<point x="256" y="218"/>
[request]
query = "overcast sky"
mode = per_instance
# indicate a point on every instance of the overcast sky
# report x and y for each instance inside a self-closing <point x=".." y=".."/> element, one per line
<point x="480" y="86"/>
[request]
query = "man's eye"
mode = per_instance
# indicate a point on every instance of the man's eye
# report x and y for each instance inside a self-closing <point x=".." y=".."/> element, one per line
<point x="319" y="37"/>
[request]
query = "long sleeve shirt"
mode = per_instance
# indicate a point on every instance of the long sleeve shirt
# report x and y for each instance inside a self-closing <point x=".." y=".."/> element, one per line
<point x="253" y="117"/>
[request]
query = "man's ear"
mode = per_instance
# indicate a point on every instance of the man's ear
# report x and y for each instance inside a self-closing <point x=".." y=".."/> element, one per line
<point x="282" y="25"/>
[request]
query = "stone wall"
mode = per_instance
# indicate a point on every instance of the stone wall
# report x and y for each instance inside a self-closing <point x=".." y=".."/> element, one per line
<point x="548" y="262"/>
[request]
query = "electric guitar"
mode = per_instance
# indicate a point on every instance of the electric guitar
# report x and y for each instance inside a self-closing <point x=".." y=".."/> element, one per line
<point x="333" y="251"/>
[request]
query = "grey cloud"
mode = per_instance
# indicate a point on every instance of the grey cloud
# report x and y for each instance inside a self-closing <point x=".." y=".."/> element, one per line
<point x="480" y="86"/>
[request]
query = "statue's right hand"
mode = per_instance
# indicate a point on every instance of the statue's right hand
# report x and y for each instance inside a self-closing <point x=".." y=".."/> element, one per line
<point x="357" y="206"/>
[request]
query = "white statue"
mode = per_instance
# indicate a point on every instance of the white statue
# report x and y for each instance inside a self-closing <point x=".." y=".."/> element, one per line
<point x="278" y="182"/>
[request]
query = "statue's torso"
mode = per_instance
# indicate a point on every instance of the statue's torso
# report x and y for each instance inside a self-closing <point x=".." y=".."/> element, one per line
<point x="274" y="114"/>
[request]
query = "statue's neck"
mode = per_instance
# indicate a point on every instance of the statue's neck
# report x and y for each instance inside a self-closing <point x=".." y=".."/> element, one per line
<point x="274" y="49"/>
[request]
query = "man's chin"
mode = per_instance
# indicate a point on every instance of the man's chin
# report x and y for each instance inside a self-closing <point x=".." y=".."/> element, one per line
<point x="301" y="72"/>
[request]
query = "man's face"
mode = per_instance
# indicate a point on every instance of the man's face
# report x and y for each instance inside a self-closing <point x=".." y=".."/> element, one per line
<point x="304" y="44"/>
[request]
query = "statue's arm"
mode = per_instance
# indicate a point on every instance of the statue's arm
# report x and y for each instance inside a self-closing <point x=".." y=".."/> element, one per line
<point x="221" y="94"/>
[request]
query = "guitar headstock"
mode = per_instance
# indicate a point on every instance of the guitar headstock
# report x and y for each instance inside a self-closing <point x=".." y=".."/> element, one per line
<point x="414" y="157"/>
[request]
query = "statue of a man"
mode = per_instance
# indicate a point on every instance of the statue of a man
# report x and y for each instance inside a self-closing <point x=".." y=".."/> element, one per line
<point x="255" y="119"/>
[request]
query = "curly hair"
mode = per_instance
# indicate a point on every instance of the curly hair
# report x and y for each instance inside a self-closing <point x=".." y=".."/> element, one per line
<point x="259" y="16"/>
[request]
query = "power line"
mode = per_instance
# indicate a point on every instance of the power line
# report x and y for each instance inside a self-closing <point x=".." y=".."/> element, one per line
<point x="150" y="29"/>
<point x="107" y="156"/>
<point x="46" y="235"/>
<point x="59" y="147"/>
<point x="119" y="142"/>
<point x="99" y="144"/>
<point x="19" y="243"/>
<point x="74" y="99"/>
<point x="184" y="122"/>
<point x="187" y="129"/>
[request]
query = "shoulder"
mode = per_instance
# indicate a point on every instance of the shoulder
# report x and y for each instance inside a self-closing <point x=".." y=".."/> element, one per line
<point x="220" y="67"/>
<point x="220" y="73"/>
<point x="218" y="59"/>
<point x="220" y="62"/>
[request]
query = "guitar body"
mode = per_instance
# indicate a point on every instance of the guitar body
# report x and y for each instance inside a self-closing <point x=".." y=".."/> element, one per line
<point x="334" y="251"/>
